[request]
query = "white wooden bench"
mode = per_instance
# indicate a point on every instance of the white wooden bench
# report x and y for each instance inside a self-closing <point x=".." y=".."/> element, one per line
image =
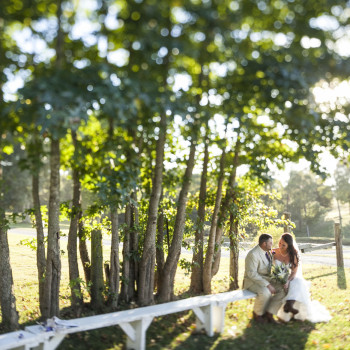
<point x="19" y="340"/>
<point x="208" y="309"/>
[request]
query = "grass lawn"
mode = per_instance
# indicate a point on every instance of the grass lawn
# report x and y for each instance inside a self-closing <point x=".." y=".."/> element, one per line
<point x="178" y="331"/>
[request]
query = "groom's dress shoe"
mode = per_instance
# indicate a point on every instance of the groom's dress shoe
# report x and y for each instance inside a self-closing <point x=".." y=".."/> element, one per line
<point x="258" y="319"/>
<point x="269" y="317"/>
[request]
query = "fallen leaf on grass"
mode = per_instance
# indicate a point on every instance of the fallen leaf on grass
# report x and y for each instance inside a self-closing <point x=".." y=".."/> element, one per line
<point x="233" y="331"/>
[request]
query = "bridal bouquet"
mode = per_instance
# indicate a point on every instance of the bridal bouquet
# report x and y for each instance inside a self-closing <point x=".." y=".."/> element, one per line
<point x="280" y="272"/>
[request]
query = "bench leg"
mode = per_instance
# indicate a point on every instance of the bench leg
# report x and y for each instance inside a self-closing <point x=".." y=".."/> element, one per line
<point x="136" y="333"/>
<point x="210" y="318"/>
<point x="51" y="344"/>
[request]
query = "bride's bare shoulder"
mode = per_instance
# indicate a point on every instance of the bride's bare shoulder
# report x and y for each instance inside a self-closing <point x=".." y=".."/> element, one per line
<point x="275" y="250"/>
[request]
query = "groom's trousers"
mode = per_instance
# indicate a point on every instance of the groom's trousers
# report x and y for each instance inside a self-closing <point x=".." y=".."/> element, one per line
<point x="265" y="301"/>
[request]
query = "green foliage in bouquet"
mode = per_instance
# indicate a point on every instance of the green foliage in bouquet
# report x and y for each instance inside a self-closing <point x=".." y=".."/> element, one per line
<point x="280" y="272"/>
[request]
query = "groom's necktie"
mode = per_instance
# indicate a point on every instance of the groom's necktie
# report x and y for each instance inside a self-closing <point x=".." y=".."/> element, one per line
<point x="267" y="256"/>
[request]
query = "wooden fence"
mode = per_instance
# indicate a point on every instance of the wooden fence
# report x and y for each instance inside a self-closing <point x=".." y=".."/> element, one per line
<point x="308" y="247"/>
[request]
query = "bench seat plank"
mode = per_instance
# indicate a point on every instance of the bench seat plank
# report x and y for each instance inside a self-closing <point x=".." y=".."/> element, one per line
<point x="209" y="311"/>
<point x="127" y="316"/>
<point x="18" y="339"/>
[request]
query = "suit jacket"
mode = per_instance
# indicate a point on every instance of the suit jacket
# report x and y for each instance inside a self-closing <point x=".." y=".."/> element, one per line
<point x="257" y="268"/>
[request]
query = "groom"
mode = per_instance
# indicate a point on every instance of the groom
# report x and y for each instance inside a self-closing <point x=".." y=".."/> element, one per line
<point x="257" y="279"/>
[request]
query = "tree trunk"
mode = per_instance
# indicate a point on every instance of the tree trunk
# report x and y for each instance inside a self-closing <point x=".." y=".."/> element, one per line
<point x="74" y="280"/>
<point x="197" y="260"/>
<point x="7" y="297"/>
<point x="124" y="292"/>
<point x="225" y="209"/>
<point x="97" y="285"/>
<point x="53" y="261"/>
<point x="114" y="261"/>
<point x="167" y="277"/>
<point x="134" y="242"/>
<point x="40" y="250"/>
<point x="147" y="265"/>
<point x="234" y="253"/>
<point x="160" y="248"/>
<point x="84" y="253"/>
<point x="207" y="275"/>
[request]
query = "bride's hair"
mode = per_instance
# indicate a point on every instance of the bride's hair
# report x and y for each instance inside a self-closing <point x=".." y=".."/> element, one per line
<point x="293" y="253"/>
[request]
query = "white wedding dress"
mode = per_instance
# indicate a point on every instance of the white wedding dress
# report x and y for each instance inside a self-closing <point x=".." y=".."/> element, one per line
<point x="310" y="310"/>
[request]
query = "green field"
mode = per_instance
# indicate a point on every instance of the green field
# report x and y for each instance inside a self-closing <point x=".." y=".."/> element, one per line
<point x="178" y="331"/>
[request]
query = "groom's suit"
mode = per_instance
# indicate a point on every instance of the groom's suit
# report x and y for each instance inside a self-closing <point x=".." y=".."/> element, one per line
<point x="257" y="278"/>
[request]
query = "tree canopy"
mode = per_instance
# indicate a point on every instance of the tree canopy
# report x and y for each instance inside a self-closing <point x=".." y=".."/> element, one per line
<point x="131" y="98"/>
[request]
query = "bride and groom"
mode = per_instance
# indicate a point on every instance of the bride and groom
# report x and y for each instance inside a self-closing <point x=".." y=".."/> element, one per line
<point x="288" y="299"/>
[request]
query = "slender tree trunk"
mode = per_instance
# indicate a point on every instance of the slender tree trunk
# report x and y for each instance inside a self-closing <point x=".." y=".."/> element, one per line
<point x="114" y="261"/>
<point x="197" y="260"/>
<point x="83" y="250"/>
<point x="53" y="261"/>
<point x="225" y="209"/>
<point x="134" y="242"/>
<point x="168" y="274"/>
<point x="160" y="259"/>
<point x="234" y="253"/>
<point x="7" y="296"/>
<point x="97" y="285"/>
<point x="207" y="275"/>
<point x="40" y="250"/>
<point x="124" y="295"/>
<point x="76" y="295"/>
<point x="147" y="265"/>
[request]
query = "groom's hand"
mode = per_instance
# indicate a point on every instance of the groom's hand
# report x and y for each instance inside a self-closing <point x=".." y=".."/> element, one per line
<point x="271" y="288"/>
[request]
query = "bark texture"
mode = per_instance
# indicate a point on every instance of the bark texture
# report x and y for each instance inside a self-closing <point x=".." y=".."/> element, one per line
<point x="114" y="261"/>
<point x="147" y="265"/>
<point x="53" y="261"/>
<point x="97" y="285"/>
<point x="74" y="278"/>
<point x="7" y="296"/>
<point x="234" y="253"/>
<point x="40" y="250"/>
<point x="166" y="282"/>
<point x="207" y="268"/>
<point x="225" y="210"/>
<point x="83" y="251"/>
<point x="197" y="260"/>
<point x="160" y="259"/>
<point x="134" y="253"/>
<point x="124" y="292"/>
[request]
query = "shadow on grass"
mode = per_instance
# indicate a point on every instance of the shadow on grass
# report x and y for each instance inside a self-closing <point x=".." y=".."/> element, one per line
<point x="162" y="332"/>
<point x="292" y="336"/>
<point x="341" y="279"/>
<point x="320" y="276"/>
<point x="177" y="331"/>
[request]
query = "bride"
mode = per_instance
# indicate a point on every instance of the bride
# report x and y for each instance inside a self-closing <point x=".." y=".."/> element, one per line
<point x="298" y="304"/>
